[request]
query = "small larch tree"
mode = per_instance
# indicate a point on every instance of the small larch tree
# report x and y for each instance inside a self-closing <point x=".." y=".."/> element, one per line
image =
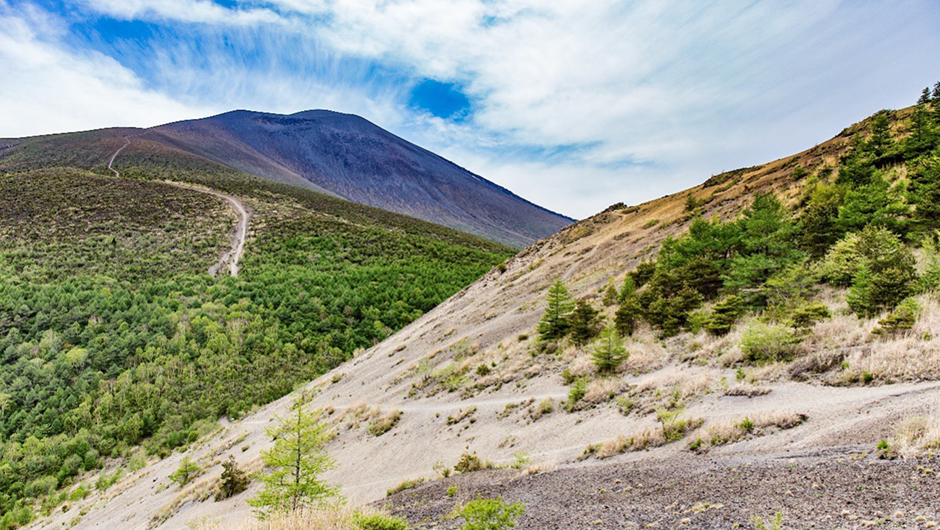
<point x="295" y="463"/>
<point x="609" y="352"/>
<point x="554" y="323"/>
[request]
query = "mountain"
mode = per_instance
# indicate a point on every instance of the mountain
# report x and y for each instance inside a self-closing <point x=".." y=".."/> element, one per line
<point x="352" y="158"/>
<point x="765" y="363"/>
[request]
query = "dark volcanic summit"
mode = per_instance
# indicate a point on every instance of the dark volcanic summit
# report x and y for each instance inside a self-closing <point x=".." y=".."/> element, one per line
<point x="349" y="156"/>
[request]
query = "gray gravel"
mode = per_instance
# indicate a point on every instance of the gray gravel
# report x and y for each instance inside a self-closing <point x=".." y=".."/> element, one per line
<point x="836" y="489"/>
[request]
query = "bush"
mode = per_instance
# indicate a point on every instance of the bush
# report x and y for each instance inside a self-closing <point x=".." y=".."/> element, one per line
<point x="233" y="480"/>
<point x="724" y="314"/>
<point x="379" y="521"/>
<point x="185" y="473"/>
<point x="842" y="262"/>
<point x="901" y="319"/>
<point x="469" y="463"/>
<point x="808" y="314"/>
<point x="387" y="422"/>
<point x="404" y="485"/>
<point x="576" y="394"/>
<point x="765" y="343"/>
<point x="490" y="514"/>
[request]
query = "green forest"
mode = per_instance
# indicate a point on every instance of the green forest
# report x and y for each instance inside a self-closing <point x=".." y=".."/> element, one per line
<point x="116" y="344"/>
<point x="860" y="225"/>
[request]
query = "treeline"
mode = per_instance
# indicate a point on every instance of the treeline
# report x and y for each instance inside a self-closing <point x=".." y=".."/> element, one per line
<point x="855" y="226"/>
<point x="100" y="360"/>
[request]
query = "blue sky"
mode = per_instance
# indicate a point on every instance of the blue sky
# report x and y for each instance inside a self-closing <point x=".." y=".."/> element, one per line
<point x="572" y="104"/>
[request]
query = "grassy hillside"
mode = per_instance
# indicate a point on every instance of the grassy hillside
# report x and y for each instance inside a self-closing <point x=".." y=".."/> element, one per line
<point x="115" y="343"/>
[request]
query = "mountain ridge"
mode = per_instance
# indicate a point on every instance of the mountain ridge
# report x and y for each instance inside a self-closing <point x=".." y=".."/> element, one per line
<point x="312" y="148"/>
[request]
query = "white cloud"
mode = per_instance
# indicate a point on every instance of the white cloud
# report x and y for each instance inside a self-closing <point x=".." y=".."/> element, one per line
<point x="198" y="11"/>
<point x="48" y="89"/>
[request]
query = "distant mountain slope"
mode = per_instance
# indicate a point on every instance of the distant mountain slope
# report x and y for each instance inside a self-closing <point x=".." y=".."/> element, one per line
<point x="351" y="157"/>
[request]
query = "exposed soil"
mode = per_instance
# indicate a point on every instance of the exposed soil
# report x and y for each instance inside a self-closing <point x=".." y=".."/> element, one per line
<point x="840" y="488"/>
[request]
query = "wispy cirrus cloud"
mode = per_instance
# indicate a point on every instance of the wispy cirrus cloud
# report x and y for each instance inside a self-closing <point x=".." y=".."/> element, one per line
<point x="575" y="105"/>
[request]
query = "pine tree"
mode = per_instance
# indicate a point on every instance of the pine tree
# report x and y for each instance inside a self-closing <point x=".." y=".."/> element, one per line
<point x="233" y="480"/>
<point x="583" y="323"/>
<point x="294" y="464"/>
<point x="610" y="294"/>
<point x="628" y="313"/>
<point x="924" y="96"/>
<point x="609" y="352"/>
<point x="554" y="323"/>
<point x="936" y="92"/>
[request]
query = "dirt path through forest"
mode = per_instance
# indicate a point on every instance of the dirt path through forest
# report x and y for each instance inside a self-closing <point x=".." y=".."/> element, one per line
<point x="231" y="257"/>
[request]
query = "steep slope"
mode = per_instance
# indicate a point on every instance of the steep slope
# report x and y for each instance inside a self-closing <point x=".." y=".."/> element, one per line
<point x="471" y="377"/>
<point x="353" y="158"/>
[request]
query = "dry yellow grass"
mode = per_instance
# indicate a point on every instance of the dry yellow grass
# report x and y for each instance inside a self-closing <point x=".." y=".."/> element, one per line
<point x="918" y="436"/>
<point x="733" y="431"/>
<point x="327" y="518"/>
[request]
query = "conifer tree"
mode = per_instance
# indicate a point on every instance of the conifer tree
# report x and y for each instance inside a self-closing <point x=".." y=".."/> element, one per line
<point x="555" y="321"/>
<point x="583" y="323"/>
<point x="609" y="351"/>
<point x="295" y="463"/>
<point x="610" y="294"/>
<point x="233" y="480"/>
<point x="924" y="97"/>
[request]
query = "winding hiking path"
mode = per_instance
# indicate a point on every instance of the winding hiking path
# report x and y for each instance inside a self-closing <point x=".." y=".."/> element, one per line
<point x="231" y="257"/>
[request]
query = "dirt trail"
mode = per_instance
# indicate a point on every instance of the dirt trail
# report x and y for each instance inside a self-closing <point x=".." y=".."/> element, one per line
<point x="231" y="257"/>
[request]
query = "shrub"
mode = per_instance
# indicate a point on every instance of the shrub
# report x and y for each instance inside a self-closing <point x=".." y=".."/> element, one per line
<point x="765" y="343"/>
<point x="808" y="314"/>
<point x="490" y="514"/>
<point x="624" y="405"/>
<point x="185" y="473"/>
<point x="724" y="314"/>
<point x="901" y="319"/>
<point x="469" y="463"/>
<point x="233" y="480"/>
<point x="576" y="394"/>
<point x="842" y="262"/>
<point x="379" y="521"/>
